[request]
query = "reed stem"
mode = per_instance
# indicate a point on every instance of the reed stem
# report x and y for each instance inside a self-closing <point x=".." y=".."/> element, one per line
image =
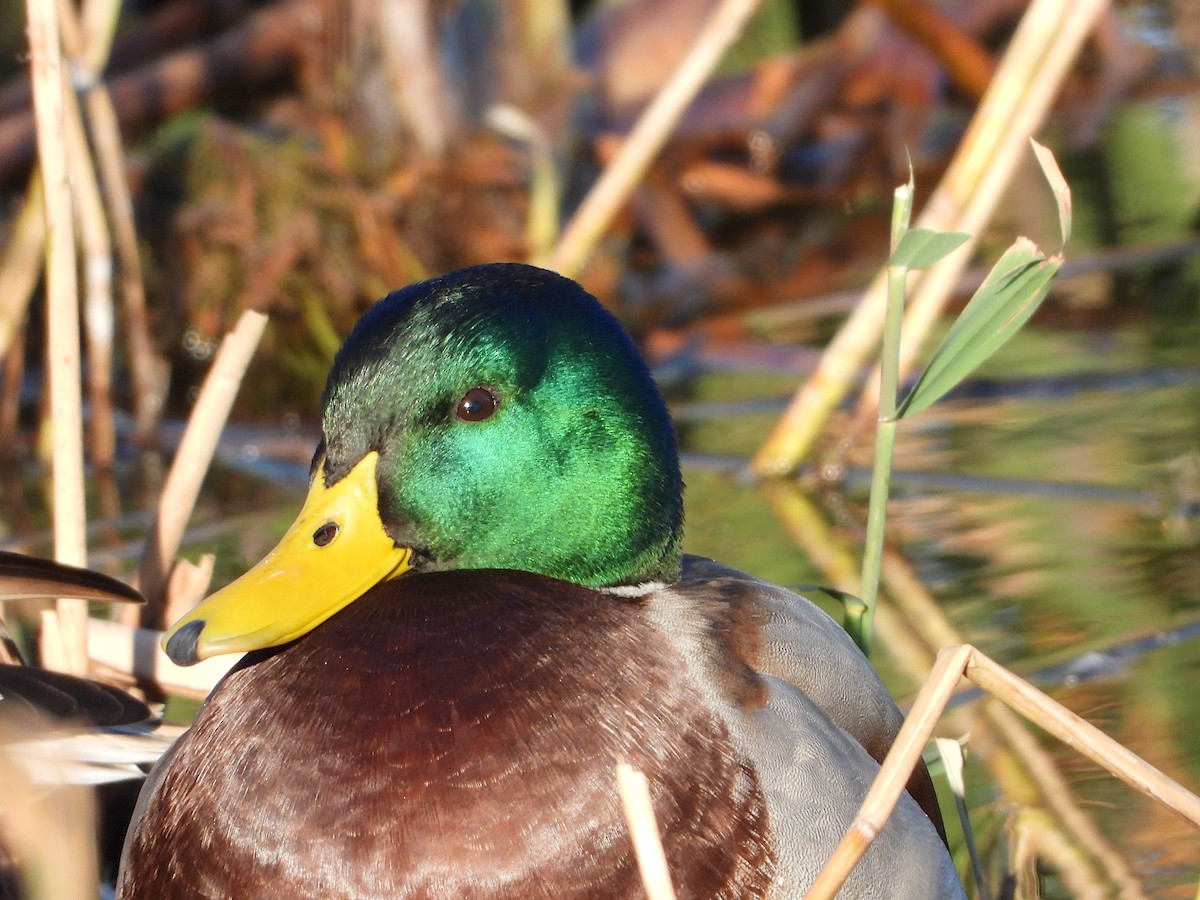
<point x="860" y="616"/>
<point x="604" y="200"/>
<point x="62" y="352"/>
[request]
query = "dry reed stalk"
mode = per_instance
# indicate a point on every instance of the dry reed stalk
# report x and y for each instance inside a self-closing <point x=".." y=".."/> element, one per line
<point x="89" y="41"/>
<point x="195" y="453"/>
<point x="1030" y="74"/>
<point x="22" y="262"/>
<point x="106" y="142"/>
<point x="893" y="774"/>
<point x="48" y="830"/>
<point x="916" y="605"/>
<point x="12" y="375"/>
<point x="618" y="179"/>
<point x="62" y="353"/>
<point x="643" y="830"/>
<point x="97" y="25"/>
<point x="913" y="600"/>
<point x="96" y="245"/>
<point x="541" y="222"/>
<point x="403" y="32"/>
<point x="1085" y="738"/>
<point x="1092" y="855"/>
<point x="1037" y="838"/>
<point x="952" y="664"/>
<point x="135" y="653"/>
<point x="69" y="36"/>
<point x="912" y="632"/>
<point x="186" y="585"/>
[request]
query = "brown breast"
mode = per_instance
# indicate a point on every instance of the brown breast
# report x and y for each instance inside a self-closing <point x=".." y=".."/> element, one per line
<point x="453" y="735"/>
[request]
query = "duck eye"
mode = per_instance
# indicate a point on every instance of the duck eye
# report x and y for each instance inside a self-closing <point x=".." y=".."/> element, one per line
<point x="324" y="535"/>
<point x="477" y="404"/>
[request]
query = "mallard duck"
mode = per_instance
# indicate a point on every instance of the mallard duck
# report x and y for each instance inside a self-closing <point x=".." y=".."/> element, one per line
<point x="481" y="608"/>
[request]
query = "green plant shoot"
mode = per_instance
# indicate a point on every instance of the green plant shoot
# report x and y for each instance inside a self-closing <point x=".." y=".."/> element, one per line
<point x="1009" y="296"/>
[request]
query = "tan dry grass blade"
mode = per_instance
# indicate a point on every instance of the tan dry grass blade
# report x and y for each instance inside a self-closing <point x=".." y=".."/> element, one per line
<point x="196" y="451"/>
<point x="62" y="353"/>
<point x="1058" y="184"/>
<point x="604" y="200"/>
<point x="952" y="664"/>
<point x="643" y="829"/>
<point x="1046" y="43"/>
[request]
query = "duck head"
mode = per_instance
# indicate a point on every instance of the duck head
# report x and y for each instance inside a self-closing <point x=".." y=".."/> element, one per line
<point x="498" y="417"/>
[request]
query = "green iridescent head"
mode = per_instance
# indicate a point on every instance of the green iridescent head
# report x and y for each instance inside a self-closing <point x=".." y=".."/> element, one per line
<point x="517" y="427"/>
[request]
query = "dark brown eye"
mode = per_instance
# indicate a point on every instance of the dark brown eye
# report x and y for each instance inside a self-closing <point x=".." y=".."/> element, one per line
<point x="324" y="535"/>
<point x="477" y="404"/>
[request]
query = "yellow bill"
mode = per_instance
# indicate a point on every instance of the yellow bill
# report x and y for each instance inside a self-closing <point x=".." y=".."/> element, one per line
<point x="335" y="551"/>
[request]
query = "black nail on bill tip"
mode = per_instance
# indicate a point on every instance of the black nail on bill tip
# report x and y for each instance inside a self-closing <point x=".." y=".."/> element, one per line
<point x="181" y="648"/>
